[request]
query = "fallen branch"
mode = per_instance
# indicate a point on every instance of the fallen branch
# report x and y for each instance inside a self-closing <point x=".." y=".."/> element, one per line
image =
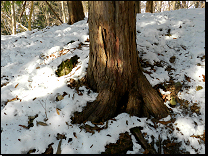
<point x="139" y="137"/>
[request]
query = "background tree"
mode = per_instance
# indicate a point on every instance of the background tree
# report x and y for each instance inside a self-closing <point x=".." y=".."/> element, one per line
<point x="30" y="16"/>
<point x="202" y="4"/>
<point x="53" y="11"/>
<point x="138" y="6"/>
<point x="177" y="5"/>
<point x="114" y="69"/>
<point x="159" y="6"/>
<point x="75" y="10"/>
<point x="43" y="16"/>
<point x="174" y="5"/>
<point x="149" y="6"/>
<point x="169" y="5"/>
<point x="184" y="4"/>
<point x="63" y="11"/>
<point x="13" y="18"/>
<point x="196" y="4"/>
<point x="85" y="7"/>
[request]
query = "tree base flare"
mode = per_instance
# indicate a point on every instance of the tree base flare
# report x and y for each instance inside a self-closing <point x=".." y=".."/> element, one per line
<point x="141" y="102"/>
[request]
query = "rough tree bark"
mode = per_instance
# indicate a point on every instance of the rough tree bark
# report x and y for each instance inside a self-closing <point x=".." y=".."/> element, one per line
<point x="138" y="6"/>
<point x="114" y="69"/>
<point x="75" y="10"/>
<point x="149" y="6"/>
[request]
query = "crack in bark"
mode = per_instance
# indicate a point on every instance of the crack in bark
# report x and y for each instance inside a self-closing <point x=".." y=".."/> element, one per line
<point x="103" y="33"/>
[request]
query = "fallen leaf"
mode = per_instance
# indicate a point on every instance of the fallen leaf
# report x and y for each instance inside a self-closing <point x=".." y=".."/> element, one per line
<point x="23" y="126"/>
<point x="164" y="122"/>
<point x="13" y="99"/>
<point x="16" y="85"/>
<point x="59" y="98"/>
<point x="41" y="123"/>
<point x="187" y="78"/>
<point x="64" y="94"/>
<point x="198" y="88"/>
<point x="203" y="78"/>
<point x="74" y="134"/>
<point x="70" y="139"/>
<point x="4" y="84"/>
<point x="170" y="144"/>
<point x="57" y="111"/>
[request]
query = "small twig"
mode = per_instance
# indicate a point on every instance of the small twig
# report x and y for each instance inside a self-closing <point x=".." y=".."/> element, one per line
<point x="45" y="109"/>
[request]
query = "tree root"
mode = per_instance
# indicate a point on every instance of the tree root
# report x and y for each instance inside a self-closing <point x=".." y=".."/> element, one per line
<point x="100" y="110"/>
<point x="140" y="100"/>
<point x="139" y="137"/>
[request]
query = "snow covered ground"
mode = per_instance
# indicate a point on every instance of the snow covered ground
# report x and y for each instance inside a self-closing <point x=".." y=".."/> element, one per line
<point x="29" y="86"/>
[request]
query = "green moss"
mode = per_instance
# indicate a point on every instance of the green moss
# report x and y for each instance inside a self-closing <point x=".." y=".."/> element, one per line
<point x="66" y="66"/>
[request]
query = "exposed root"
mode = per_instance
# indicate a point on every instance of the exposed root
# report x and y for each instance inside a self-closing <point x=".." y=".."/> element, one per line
<point x="100" y="110"/>
<point x="141" y="100"/>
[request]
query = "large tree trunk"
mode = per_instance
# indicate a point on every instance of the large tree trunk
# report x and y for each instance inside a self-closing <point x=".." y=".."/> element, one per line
<point x="75" y="10"/>
<point x="114" y="70"/>
<point x="149" y="6"/>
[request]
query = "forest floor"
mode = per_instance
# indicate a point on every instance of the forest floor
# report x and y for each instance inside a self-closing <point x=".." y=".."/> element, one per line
<point x="36" y="105"/>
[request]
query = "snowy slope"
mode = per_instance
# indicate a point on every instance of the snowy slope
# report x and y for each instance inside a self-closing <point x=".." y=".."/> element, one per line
<point x="29" y="61"/>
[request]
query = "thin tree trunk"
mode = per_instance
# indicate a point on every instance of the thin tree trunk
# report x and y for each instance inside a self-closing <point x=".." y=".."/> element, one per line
<point x="149" y="6"/>
<point x="177" y="5"/>
<point x="138" y="6"/>
<point x="184" y="4"/>
<point x="159" y="6"/>
<point x="174" y="5"/>
<point x="63" y="11"/>
<point x="53" y="11"/>
<point x="23" y="10"/>
<point x="114" y="69"/>
<point x="13" y="18"/>
<point x="168" y="5"/>
<point x="202" y="4"/>
<point x="75" y="10"/>
<point x="30" y="16"/>
<point x="10" y="21"/>
<point x="196" y="4"/>
<point x="5" y="26"/>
